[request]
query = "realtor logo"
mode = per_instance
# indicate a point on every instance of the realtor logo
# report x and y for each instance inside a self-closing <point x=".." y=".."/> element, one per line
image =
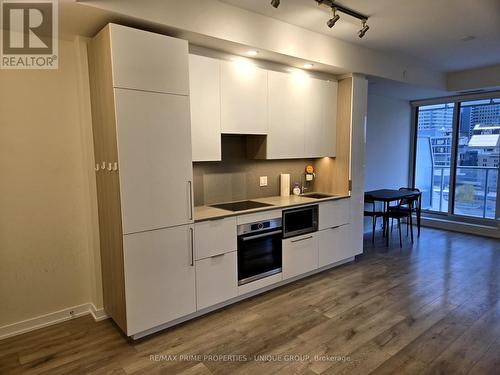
<point x="29" y="34"/>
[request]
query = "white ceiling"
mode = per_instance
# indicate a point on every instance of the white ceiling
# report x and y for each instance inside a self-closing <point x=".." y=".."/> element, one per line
<point x="428" y="30"/>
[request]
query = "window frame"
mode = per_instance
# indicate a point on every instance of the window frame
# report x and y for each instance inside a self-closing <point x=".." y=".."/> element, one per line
<point x="457" y="100"/>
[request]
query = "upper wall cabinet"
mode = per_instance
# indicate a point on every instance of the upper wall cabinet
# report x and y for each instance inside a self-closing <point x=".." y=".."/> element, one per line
<point x="243" y="98"/>
<point x="320" y="113"/>
<point x="286" y="116"/>
<point x="204" y="88"/>
<point x="134" y="67"/>
<point x="302" y="118"/>
<point x="331" y="119"/>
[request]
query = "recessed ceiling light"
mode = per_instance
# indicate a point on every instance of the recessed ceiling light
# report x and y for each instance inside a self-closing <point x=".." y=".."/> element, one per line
<point x="308" y="65"/>
<point x="467" y="38"/>
<point x="252" y="52"/>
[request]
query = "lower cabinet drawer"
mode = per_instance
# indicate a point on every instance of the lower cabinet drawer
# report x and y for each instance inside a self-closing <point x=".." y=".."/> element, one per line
<point x="334" y="213"/>
<point x="300" y="255"/>
<point x="216" y="279"/>
<point x="214" y="237"/>
<point x="335" y="244"/>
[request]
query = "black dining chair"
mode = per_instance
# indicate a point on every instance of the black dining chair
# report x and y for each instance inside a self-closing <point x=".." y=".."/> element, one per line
<point x="415" y="207"/>
<point x="374" y="214"/>
<point x="402" y="211"/>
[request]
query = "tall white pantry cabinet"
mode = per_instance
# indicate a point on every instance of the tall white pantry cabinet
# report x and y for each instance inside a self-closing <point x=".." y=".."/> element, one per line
<point x="142" y="140"/>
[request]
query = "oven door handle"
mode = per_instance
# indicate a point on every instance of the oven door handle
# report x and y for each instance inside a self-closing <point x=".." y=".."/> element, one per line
<point x="261" y="235"/>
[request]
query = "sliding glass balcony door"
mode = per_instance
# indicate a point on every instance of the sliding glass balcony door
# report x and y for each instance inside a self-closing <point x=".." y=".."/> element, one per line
<point x="476" y="176"/>
<point x="457" y="147"/>
<point x="433" y="155"/>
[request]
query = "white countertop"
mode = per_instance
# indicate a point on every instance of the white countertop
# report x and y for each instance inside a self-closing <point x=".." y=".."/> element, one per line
<point x="202" y="213"/>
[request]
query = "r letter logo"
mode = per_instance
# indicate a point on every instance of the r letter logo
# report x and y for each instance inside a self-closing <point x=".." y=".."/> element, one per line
<point x="29" y="34"/>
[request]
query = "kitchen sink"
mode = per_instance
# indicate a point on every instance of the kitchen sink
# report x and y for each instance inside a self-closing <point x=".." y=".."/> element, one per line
<point x="316" y="195"/>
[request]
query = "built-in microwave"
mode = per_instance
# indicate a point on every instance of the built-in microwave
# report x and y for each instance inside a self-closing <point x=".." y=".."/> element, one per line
<point x="300" y="220"/>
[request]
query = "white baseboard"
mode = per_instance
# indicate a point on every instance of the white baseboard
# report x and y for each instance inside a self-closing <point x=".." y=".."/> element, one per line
<point x="97" y="314"/>
<point x="51" y="318"/>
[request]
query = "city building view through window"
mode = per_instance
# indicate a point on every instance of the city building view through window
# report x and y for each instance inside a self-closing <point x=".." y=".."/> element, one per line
<point x="474" y="165"/>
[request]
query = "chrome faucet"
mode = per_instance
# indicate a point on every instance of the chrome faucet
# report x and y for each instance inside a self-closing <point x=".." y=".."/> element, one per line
<point x="303" y="187"/>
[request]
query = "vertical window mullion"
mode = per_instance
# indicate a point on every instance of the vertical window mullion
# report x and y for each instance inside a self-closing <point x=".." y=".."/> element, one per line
<point x="413" y="148"/>
<point x="454" y="161"/>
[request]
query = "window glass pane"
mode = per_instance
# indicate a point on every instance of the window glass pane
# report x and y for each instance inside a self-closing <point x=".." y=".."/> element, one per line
<point x="477" y="159"/>
<point x="433" y="155"/>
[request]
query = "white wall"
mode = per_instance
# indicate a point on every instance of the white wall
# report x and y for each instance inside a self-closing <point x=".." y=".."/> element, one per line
<point x="387" y="151"/>
<point x="49" y="249"/>
<point x="486" y="77"/>
<point x="215" y="24"/>
<point x="387" y="143"/>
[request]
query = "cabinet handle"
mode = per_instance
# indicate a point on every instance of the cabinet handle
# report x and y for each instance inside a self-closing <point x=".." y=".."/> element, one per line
<point x="338" y="226"/>
<point x="190" y="183"/>
<point x="302" y="239"/>
<point x="191" y="233"/>
<point x="261" y="235"/>
<point x="218" y="255"/>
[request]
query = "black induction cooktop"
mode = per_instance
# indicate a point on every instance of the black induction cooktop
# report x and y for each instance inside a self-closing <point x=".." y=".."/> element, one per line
<point x="240" y="206"/>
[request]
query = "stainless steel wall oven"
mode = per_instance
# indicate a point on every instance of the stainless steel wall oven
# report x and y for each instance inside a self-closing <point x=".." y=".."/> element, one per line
<point x="259" y="250"/>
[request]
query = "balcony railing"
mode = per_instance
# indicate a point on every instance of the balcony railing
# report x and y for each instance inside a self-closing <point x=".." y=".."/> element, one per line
<point x="475" y="191"/>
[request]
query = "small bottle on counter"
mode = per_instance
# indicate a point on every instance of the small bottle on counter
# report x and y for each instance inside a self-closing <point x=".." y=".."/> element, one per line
<point x="296" y="189"/>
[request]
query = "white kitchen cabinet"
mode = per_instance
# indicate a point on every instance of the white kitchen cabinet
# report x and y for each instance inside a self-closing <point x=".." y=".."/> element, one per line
<point x="148" y="61"/>
<point x="302" y="119"/>
<point x="204" y="94"/>
<point x="215" y="237"/>
<point x="159" y="277"/>
<point x="243" y="98"/>
<point x="334" y="213"/>
<point x="315" y="117"/>
<point x="286" y="116"/>
<point x="300" y="255"/>
<point x="335" y="244"/>
<point x="330" y="139"/>
<point x="154" y="155"/>
<point x="216" y="279"/>
<point x="320" y="118"/>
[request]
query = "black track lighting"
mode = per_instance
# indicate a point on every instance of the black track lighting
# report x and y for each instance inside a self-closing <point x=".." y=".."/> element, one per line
<point x="364" y="29"/>
<point x="275" y="3"/>
<point x="336" y="7"/>
<point x="332" y="21"/>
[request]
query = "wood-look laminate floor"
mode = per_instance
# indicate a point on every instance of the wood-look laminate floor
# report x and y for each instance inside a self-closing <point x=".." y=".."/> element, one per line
<point x="433" y="308"/>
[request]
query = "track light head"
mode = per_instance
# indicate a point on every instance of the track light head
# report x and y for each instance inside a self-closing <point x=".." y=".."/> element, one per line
<point x="332" y="21"/>
<point x="275" y="3"/>
<point x="364" y="29"/>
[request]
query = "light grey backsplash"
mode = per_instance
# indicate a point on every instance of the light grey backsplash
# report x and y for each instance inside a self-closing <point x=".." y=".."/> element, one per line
<point x="237" y="178"/>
